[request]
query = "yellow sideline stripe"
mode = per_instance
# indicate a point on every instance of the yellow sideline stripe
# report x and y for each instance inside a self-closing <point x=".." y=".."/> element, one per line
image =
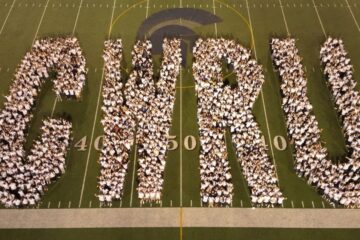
<point x="181" y="223"/>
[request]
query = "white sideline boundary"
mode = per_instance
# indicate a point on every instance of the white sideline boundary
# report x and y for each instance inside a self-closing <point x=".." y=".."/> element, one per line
<point x="170" y="217"/>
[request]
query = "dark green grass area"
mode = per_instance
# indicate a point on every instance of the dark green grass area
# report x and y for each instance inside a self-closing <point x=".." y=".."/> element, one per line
<point x="269" y="234"/>
<point x="182" y="180"/>
<point x="174" y="233"/>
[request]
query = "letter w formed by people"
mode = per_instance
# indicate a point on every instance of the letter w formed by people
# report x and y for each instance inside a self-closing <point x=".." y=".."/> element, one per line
<point x="140" y="106"/>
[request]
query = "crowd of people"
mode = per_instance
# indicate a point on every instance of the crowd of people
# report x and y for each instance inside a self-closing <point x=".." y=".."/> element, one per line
<point x="141" y="103"/>
<point x="140" y="112"/>
<point x="22" y="182"/>
<point x="118" y="127"/>
<point x="339" y="183"/>
<point x="222" y="106"/>
<point x="23" y="179"/>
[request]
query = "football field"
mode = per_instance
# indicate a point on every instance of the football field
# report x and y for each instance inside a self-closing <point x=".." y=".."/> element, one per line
<point x="252" y="23"/>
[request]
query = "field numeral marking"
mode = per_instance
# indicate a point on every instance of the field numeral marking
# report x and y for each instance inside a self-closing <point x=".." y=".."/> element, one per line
<point x="173" y="143"/>
<point x="81" y="144"/>
<point x="190" y="143"/>
<point x="279" y="142"/>
<point x="98" y="142"/>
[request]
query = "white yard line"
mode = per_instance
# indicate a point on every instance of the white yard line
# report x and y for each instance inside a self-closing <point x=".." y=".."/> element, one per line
<point x="7" y="16"/>
<point x="262" y="97"/>
<point x="181" y="140"/>
<point x="133" y="174"/>
<point x="283" y="15"/>
<point x="215" y="24"/>
<point x="91" y="140"/>
<point x="73" y="33"/>
<point x="181" y="4"/>
<point x="318" y="15"/>
<point x="353" y="16"/>
<point x="147" y="8"/>
<point x="77" y="17"/>
<point x="54" y="106"/>
<point x="41" y="19"/>
<point x="95" y="117"/>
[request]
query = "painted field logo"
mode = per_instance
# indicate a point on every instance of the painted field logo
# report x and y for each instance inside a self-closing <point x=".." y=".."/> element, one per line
<point x="175" y="23"/>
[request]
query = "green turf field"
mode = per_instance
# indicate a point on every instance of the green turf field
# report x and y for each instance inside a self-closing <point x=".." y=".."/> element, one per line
<point x="22" y="21"/>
